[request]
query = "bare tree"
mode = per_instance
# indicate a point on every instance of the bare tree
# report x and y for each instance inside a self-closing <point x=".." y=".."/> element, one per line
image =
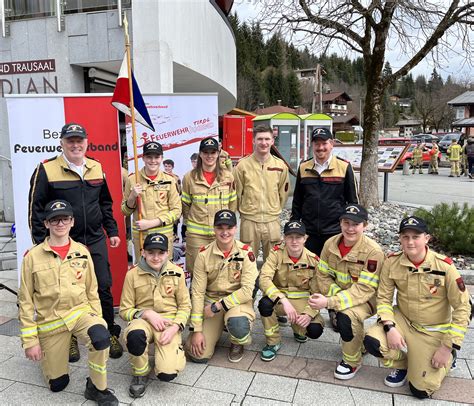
<point x="414" y="28"/>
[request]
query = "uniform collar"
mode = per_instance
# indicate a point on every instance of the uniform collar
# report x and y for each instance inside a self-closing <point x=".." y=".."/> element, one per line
<point x="287" y="260"/>
<point x="217" y="251"/>
<point x="353" y="253"/>
<point x="47" y="247"/>
<point x="425" y="266"/>
<point x="145" y="176"/>
<point x="143" y="267"/>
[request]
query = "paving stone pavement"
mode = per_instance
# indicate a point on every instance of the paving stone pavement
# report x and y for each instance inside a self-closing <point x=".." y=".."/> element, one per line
<point x="301" y="374"/>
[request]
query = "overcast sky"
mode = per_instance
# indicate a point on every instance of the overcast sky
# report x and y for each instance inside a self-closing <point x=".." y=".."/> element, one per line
<point x="247" y="10"/>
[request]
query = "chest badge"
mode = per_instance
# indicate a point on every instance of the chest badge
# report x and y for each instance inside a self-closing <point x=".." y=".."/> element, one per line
<point x="236" y="274"/>
<point x="169" y="289"/>
<point x="78" y="274"/>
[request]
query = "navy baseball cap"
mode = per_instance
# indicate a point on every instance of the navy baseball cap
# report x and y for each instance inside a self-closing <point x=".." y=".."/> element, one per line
<point x="355" y="212"/>
<point x="152" y="147"/>
<point x="322" y="133"/>
<point x="73" y="130"/>
<point x="225" y="217"/>
<point x="209" y="143"/>
<point x="156" y="241"/>
<point x="413" y="223"/>
<point x="58" y="208"/>
<point x="294" y="227"/>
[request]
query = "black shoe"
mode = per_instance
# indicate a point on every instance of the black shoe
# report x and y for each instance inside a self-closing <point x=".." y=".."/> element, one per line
<point x="455" y="358"/>
<point x="102" y="397"/>
<point x="116" y="349"/>
<point x="74" y="354"/>
<point x="138" y="386"/>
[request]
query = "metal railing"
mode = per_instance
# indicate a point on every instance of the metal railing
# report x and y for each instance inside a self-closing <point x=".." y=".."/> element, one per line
<point x="13" y="10"/>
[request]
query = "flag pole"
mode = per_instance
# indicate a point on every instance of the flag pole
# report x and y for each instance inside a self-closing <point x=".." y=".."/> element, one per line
<point x="134" y="133"/>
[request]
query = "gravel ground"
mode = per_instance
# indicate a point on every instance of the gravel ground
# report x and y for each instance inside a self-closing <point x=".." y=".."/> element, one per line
<point x="383" y="228"/>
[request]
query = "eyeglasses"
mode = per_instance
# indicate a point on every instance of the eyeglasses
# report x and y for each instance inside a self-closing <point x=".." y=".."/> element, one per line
<point x="55" y="222"/>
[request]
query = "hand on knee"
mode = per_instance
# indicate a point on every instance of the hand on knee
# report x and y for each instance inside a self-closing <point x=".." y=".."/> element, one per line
<point x="239" y="327"/>
<point x="58" y="384"/>
<point x="100" y="337"/>
<point x="136" y="342"/>
<point x="265" y="306"/>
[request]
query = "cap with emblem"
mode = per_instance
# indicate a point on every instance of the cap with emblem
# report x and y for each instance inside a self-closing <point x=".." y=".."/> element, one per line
<point x="225" y="217"/>
<point x="322" y="133"/>
<point x="73" y="130"/>
<point x="58" y="208"/>
<point x="294" y="227"/>
<point x="156" y="241"/>
<point x="152" y="147"/>
<point x="209" y="143"/>
<point x="355" y="212"/>
<point x="413" y="223"/>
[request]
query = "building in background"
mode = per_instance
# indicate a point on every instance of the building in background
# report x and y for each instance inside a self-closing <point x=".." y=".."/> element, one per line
<point x="52" y="46"/>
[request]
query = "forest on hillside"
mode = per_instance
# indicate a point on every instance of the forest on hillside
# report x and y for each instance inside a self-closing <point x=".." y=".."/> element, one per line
<point x="266" y="74"/>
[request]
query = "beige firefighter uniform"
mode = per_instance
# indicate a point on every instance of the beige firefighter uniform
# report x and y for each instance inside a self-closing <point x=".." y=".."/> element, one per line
<point x="281" y="278"/>
<point x="262" y="191"/>
<point x="165" y="293"/>
<point x="224" y="160"/>
<point x="418" y="158"/>
<point x="231" y="281"/>
<point x="432" y="309"/>
<point x="454" y="154"/>
<point x="159" y="200"/>
<point x="350" y="283"/>
<point x="434" y="152"/>
<point x="201" y="202"/>
<point x="58" y="298"/>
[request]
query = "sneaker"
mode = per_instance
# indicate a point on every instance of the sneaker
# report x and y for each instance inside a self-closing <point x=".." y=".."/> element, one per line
<point x="116" y="349"/>
<point x="333" y="319"/>
<point x="397" y="378"/>
<point x="300" y="339"/>
<point x="450" y="176"/>
<point x="455" y="358"/>
<point x="269" y="352"/>
<point x="236" y="352"/>
<point x="282" y="321"/>
<point x="138" y="386"/>
<point x="74" y="354"/>
<point x="345" y="371"/>
<point x="102" y="397"/>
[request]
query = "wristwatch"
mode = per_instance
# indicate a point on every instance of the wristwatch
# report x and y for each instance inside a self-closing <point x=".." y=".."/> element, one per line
<point x="214" y="308"/>
<point x="387" y="327"/>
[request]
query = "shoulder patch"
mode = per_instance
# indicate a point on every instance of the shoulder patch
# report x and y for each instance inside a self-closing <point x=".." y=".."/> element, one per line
<point x="447" y="260"/>
<point x="251" y="256"/>
<point x="342" y="159"/>
<point x="26" y="253"/>
<point x="372" y="265"/>
<point x="460" y="283"/>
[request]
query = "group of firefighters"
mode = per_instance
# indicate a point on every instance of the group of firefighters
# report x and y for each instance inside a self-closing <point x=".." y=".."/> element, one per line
<point x="461" y="158"/>
<point x="323" y="261"/>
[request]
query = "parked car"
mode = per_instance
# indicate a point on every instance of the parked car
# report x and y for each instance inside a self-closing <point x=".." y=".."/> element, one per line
<point x="425" y="138"/>
<point x="394" y="140"/>
<point x="426" y="154"/>
<point x="446" y="140"/>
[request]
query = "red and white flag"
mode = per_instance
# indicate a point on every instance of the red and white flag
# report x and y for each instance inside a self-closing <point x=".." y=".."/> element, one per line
<point x="121" y="97"/>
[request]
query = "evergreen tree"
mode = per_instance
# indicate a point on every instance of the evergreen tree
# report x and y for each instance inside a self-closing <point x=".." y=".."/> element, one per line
<point x="294" y="90"/>
<point x="435" y="83"/>
<point x="275" y="52"/>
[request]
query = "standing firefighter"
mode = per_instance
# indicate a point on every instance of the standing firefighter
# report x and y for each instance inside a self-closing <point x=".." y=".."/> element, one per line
<point x="81" y="181"/>
<point x="418" y="158"/>
<point x="262" y="184"/>
<point x="418" y="335"/>
<point x="223" y="282"/>
<point x="206" y="189"/>
<point x="155" y="301"/>
<point x="159" y="202"/>
<point x="348" y="278"/>
<point x="58" y="297"/>
<point x="454" y="154"/>
<point x="288" y="278"/>
<point x="434" y="152"/>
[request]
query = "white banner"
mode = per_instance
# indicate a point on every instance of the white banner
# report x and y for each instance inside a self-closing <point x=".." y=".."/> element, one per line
<point x="181" y="121"/>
